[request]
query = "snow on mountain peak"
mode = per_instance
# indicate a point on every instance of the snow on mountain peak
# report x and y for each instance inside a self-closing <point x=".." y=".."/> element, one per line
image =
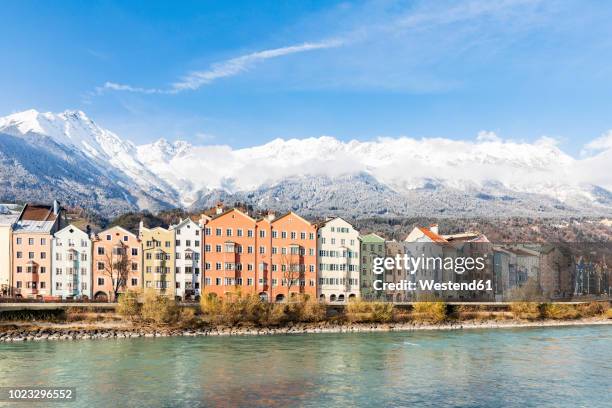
<point x="184" y="171"/>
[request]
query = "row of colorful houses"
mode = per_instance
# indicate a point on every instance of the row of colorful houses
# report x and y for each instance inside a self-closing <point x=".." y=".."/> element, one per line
<point x="43" y="255"/>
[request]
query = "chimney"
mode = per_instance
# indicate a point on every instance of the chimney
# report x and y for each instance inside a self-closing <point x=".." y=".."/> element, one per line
<point x="434" y="228"/>
<point x="219" y="208"/>
<point x="140" y="226"/>
<point x="271" y="215"/>
<point x="56" y="207"/>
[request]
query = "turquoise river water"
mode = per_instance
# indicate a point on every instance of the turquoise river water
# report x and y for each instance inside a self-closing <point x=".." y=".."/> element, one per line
<point x="556" y="367"/>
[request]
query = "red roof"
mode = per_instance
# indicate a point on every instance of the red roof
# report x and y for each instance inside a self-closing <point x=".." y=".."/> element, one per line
<point x="432" y="235"/>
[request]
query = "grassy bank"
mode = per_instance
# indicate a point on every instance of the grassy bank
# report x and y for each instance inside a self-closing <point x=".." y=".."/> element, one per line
<point x="150" y="310"/>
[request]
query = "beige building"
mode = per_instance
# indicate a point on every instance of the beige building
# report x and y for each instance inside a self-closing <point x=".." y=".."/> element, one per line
<point x="8" y="216"/>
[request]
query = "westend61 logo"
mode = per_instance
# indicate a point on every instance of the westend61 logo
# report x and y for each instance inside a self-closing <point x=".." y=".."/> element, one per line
<point x="430" y="266"/>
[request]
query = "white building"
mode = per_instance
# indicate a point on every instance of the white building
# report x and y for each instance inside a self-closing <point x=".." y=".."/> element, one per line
<point x="188" y="267"/>
<point x="71" y="251"/>
<point x="338" y="249"/>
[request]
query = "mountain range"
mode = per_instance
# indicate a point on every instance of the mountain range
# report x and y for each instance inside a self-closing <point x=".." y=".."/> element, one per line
<point x="70" y="157"/>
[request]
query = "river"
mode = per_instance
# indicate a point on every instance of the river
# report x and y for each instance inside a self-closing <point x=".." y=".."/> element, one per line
<point x="561" y="367"/>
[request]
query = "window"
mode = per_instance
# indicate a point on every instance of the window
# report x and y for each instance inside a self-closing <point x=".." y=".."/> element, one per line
<point x="30" y="241"/>
<point x="100" y="250"/>
<point x="262" y="249"/>
<point x="30" y="255"/>
<point x="178" y="242"/>
<point x="249" y="281"/>
<point x="293" y="235"/>
<point x="134" y="251"/>
<point x="207" y="281"/>
<point x="108" y="237"/>
<point x="250" y="233"/>
<point x="18" y="241"/>
<point x="19" y="269"/>
<point x="218" y="281"/>
<point x="207" y="231"/>
<point x="283" y="234"/>
<point x="217" y="248"/>
<point x="262" y="233"/>
<point x="125" y="238"/>
<point x="19" y="255"/>
<point x="100" y="281"/>
<point x="239" y="232"/>
<point x="100" y="266"/>
<point x="207" y="248"/>
<point x="218" y="232"/>
<point x="228" y="232"/>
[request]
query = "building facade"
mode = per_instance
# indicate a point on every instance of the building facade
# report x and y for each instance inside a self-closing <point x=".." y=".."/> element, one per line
<point x="159" y="251"/>
<point x="31" y="241"/>
<point x="188" y="258"/>
<point x="232" y="255"/>
<point x="338" y="257"/>
<point x="117" y="263"/>
<point x="7" y="218"/>
<point x="293" y="257"/>
<point x="71" y="264"/>
<point x="372" y="247"/>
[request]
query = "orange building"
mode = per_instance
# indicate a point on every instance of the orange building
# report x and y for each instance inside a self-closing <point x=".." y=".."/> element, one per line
<point x="32" y="234"/>
<point x="117" y="254"/>
<point x="294" y="259"/>
<point x="273" y="258"/>
<point x="230" y="254"/>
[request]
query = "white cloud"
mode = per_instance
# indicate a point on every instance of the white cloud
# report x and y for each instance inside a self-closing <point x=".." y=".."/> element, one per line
<point x="224" y="69"/>
<point x="604" y="142"/>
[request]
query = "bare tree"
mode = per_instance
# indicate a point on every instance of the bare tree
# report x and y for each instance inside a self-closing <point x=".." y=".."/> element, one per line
<point x="117" y="267"/>
<point x="291" y="270"/>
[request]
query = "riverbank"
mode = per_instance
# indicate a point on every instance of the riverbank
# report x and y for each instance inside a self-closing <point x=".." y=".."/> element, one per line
<point x="27" y="331"/>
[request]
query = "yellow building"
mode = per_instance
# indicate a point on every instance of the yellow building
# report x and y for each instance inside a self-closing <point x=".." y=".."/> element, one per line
<point x="158" y="247"/>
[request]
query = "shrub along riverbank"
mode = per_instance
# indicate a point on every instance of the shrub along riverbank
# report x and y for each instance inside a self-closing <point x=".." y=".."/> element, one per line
<point x="150" y="314"/>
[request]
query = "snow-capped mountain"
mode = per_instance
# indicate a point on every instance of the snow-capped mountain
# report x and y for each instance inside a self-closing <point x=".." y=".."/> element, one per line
<point x="70" y="155"/>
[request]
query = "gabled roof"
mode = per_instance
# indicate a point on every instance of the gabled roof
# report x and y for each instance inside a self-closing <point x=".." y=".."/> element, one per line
<point x="183" y="223"/>
<point x="432" y="235"/>
<point x="372" y="237"/>
<point x="119" y="228"/>
<point x="230" y="211"/>
<point x="37" y="212"/>
<point x="327" y="221"/>
<point x="292" y="213"/>
<point x="70" y="226"/>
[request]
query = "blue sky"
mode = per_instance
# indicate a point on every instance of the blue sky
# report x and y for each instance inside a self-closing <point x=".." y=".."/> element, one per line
<point x="243" y="73"/>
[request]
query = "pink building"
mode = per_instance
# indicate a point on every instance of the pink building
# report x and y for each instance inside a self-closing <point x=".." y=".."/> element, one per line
<point x="32" y="235"/>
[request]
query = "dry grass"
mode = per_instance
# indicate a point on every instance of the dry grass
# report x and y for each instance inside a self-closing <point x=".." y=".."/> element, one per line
<point x="525" y="310"/>
<point x="128" y="305"/>
<point x="159" y="309"/>
<point x="558" y="311"/>
<point x="250" y="310"/>
<point x="434" y="312"/>
<point x="593" y="309"/>
<point x="369" y="312"/>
